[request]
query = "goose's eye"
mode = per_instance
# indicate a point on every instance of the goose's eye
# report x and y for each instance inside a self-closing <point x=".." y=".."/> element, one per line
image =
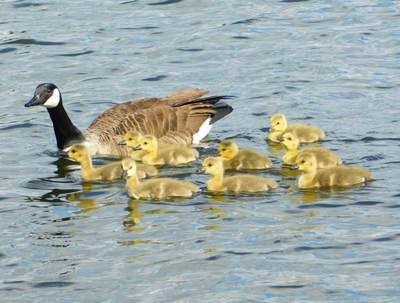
<point x="277" y="123"/>
<point x="290" y="139"/>
<point x="224" y="149"/>
<point x="145" y="143"/>
<point x="302" y="161"/>
<point x="73" y="151"/>
<point x="209" y="165"/>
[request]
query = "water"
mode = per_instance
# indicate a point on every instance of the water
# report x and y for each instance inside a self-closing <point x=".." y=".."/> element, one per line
<point x="334" y="64"/>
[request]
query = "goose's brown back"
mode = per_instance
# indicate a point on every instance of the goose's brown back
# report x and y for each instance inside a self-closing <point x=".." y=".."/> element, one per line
<point x="173" y="119"/>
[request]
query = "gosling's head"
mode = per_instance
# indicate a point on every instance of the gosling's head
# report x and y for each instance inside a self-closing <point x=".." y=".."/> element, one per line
<point x="78" y="152"/>
<point x="278" y="122"/>
<point x="290" y="140"/>
<point x="149" y="143"/>
<point x="306" y="162"/>
<point x="129" y="166"/>
<point x="213" y="165"/>
<point x="47" y="95"/>
<point x="132" y="139"/>
<point x="228" y="149"/>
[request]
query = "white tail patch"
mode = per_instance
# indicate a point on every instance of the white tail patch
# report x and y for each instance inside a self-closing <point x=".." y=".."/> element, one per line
<point x="203" y="131"/>
<point x="53" y="100"/>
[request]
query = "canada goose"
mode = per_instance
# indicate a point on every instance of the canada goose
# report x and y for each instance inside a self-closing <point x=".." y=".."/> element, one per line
<point x="170" y="154"/>
<point x="332" y="176"/>
<point x="305" y="133"/>
<point x="237" y="183"/>
<point x="235" y="158"/>
<point x="325" y="157"/>
<point x="157" y="188"/>
<point x="181" y="118"/>
<point x="108" y="172"/>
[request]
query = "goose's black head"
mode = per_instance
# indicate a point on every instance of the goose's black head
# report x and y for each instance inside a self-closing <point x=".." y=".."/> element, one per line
<point x="46" y="94"/>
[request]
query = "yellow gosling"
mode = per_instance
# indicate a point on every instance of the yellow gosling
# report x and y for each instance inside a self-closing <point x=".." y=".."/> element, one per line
<point x="237" y="183"/>
<point x="305" y="133"/>
<point x="108" y="172"/>
<point x="132" y="140"/>
<point x="325" y="157"/>
<point x="170" y="154"/>
<point x="158" y="188"/>
<point x="324" y="177"/>
<point x="235" y="158"/>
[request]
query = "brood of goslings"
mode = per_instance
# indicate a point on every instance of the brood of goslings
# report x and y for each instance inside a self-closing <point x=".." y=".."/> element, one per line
<point x="168" y="154"/>
<point x="108" y="172"/>
<point x="235" y="158"/>
<point x="333" y="176"/>
<point x="237" y="183"/>
<point x="183" y="117"/>
<point x="325" y="157"/>
<point x="157" y="188"/>
<point x="305" y="133"/>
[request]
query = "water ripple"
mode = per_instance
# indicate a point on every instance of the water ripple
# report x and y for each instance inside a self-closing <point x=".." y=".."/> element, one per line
<point x="32" y="42"/>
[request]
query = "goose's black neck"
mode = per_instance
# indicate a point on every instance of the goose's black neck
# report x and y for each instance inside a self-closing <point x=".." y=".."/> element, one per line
<point x="65" y="131"/>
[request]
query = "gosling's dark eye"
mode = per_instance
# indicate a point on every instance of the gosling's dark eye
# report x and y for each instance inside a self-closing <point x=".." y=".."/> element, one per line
<point x="73" y="151"/>
<point x="145" y="143"/>
<point x="209" y="165"/>
<point x="224" y="149"/>
<point x="277" y="123"/>
<point x="302" y="161"/>
<point x="290" y="139"/>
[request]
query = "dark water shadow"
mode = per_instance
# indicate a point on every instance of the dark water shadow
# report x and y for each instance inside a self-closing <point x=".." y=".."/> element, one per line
<point x="165" y="2"/>
<point x="32" y="42"/>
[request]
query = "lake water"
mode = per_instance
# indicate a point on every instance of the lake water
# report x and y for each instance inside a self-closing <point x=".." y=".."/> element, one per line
<point x="334" y="64"/>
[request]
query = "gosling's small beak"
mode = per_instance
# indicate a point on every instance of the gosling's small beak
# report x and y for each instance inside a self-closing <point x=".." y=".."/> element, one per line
<point x="200" y="170"/>
<point x="280" y="138"/>
<point x="32" y="102"/>
<point x="137" y="147"/>
<point x="124" y="174"/>
<point x="294" y="167"/>
<point x="123" y="142"/>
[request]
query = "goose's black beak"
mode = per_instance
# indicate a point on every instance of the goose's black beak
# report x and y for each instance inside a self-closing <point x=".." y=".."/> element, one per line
<point x="124" y="174"/>
<point x="32" y="102"/>
<point x="120" y="143"/>
<point x="137" y="148"/>
<point x="280" y="138"/>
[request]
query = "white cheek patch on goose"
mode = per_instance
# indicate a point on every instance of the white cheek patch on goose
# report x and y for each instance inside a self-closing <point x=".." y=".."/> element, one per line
<point x="53" y="100"/>
<point x="202" y="132"/>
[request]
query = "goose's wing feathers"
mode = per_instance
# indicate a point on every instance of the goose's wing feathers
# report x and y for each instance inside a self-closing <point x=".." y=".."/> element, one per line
<point x="173" y="119"/>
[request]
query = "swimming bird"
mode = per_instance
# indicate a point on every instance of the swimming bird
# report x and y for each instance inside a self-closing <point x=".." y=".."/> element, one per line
<point x="237" y="183"/>
<point x="243" y="158"/>
<point x="169" y="154"/>
<point x="157" y="188"/>
<point x="332" y="176"/>
<point x="305" y="133"/>
<point x="181" y="118"/>
<point x="132" y="140"/>
<point x="325" y="157"/>
<point x="108" y="172"/>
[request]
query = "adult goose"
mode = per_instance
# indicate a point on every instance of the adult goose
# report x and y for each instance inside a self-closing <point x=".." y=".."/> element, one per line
<point x="183" y="117"/>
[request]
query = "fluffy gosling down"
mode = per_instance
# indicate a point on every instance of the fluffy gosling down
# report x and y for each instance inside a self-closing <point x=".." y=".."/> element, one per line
<point x="157" y="188"/>
<point x="168" y="154"/>
<point x="325" y="157"/>
<point x="324" y="177"/>
<point x="237" y="183"/>
<point x="235" y="158"/>
<point x="305" y="133"/>
<point x="108" y="172"/>
<point x="132" y="140"/>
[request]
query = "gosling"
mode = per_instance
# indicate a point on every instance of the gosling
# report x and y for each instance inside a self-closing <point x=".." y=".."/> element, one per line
<point x="235" y="158"/>
<point x="333" y="176"/>
<point x="325" y="157"/>
<point x="170" y="154"/>
<point x="132" y="140"/>
<point x="108" y="172"/>
<point x="158" y="188"/>
<point x="305" y="133"/>
<point x="237" y="183"/>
